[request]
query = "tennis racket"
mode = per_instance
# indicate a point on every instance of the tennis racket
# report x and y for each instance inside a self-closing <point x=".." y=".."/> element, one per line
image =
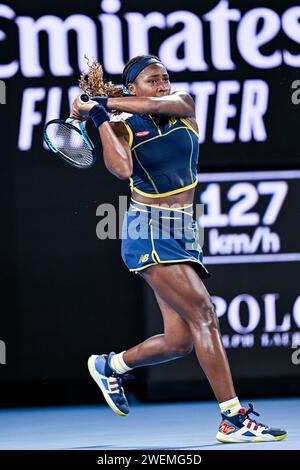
<point x="69" y="140"/>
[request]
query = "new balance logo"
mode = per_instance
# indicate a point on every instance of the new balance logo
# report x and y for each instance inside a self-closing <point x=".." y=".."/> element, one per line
<point x="144" y="258"/>
<point x="172" y="121"/>
<point x="225" y="429"/>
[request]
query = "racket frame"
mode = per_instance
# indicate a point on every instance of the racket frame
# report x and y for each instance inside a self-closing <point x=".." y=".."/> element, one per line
<point x="81" y="129"/>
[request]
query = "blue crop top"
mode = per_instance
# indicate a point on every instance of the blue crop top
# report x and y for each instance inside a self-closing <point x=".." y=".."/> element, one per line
<point x="165" y="156"/>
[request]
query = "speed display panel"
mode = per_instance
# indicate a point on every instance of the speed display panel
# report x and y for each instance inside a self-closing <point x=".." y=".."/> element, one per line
<point x="251" y="247"/>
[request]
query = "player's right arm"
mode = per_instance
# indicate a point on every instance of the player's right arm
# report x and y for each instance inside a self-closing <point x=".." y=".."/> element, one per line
<point x="116" y="152"/>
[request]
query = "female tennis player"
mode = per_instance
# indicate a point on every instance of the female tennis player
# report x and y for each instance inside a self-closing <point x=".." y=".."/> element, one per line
<point x="157" y="149"/>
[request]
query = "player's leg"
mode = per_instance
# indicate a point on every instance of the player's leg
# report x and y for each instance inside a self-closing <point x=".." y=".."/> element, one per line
<point x="109" y="372"/>
<point x="180" y="286"/>
<point x="182" y="289"/>
<point x="175" y="342"/>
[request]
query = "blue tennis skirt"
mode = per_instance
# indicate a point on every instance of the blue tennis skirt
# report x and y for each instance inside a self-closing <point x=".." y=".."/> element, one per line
<point x="156" y="234"/>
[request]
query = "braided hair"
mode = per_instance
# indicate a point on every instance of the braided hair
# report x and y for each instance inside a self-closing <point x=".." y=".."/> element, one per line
<point x="93" y="83"/>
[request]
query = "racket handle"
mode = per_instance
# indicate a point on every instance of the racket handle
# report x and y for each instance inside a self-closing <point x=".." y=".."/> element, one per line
<point x="84" y="98"/>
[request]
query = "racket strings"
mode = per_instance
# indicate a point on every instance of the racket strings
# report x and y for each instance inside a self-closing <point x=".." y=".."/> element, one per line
<point x="69" y="142"/>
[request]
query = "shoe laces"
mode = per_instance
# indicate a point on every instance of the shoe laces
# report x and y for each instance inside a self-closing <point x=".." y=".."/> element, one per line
<point x="251" y="411"/>
<point x="121" y="379"/>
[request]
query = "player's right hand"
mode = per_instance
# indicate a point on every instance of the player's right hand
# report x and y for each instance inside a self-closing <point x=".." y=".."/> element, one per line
<point x="81" y="110"/>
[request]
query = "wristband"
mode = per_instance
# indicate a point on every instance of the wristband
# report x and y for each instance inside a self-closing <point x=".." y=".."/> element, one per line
<point x="101" y="100"/>
<point x="98" y="115"/>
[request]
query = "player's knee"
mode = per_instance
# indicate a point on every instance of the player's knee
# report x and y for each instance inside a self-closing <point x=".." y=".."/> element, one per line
<point x="204" y="313"/>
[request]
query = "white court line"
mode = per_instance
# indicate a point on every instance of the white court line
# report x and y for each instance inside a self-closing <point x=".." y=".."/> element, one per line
<point x="270" y="258"/>
<point x="248" y="175"/>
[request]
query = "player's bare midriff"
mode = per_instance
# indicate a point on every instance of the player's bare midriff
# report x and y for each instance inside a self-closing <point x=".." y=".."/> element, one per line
<point x="184" y="198"/>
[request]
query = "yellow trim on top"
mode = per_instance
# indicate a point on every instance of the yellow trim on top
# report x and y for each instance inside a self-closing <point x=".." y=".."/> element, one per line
<point x="157" y="127"/>
<point x="149" y="177"/>
<point x="158" y="136"/>
<point x="192" y="151"/>
<point x="168" y="193"/>
<point x="129" y="130"/>
<point x="189" y="126"/>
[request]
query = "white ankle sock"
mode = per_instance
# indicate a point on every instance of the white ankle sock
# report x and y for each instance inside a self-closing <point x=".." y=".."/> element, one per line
<point x="230" y="407"/>
<point x="118" y="364"/>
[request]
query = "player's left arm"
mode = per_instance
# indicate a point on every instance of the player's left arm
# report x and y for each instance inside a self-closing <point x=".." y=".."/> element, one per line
<point x="179" y="104"/>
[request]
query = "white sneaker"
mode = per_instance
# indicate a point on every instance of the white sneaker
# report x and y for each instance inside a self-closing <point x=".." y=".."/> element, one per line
<point x="240" y="428"/>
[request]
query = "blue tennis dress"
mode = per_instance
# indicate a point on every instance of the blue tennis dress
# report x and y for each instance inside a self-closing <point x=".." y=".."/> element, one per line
<point x="165" y="158"/>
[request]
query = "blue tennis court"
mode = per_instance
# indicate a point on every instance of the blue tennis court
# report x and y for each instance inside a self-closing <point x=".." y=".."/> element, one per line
<point x="174" y="426"/>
